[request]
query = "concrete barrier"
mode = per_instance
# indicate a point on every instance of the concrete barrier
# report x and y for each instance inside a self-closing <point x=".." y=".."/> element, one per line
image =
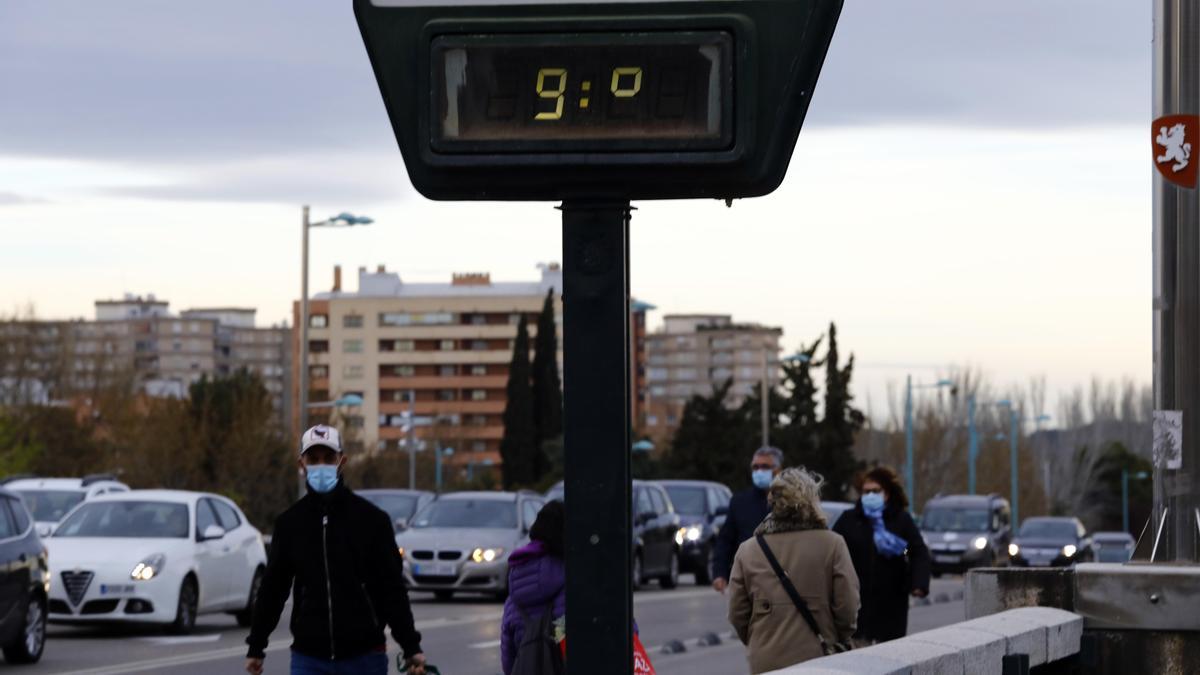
<point x="975" y="647"/>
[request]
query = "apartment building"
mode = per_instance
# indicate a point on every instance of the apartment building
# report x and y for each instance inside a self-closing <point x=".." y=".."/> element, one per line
<point x="692" y="353"/>
<point x="446" y="345"/>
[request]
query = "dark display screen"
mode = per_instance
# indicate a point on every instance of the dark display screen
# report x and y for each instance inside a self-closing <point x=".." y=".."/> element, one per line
<point x="582" y="92"/>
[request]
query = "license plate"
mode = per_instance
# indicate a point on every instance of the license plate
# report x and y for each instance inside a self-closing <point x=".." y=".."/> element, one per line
<point x="945" y="558"/>
<point x="436" y="569"/>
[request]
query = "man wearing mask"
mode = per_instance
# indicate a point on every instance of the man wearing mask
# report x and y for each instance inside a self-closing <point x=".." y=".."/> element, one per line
<point x="746" y="510"/>
<point x="337" y="553"/>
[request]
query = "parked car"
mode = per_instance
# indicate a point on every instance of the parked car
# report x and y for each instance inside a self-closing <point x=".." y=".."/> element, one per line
<point x="461" y="541"/>
<point x="965" y="531"/>
<point x="154" y="556"/>
<point x="834" y="510"/>
<point x="25" y="578"/>
<point x="1113" y="547"/>
<point x="1050" y="542"/>
<point x="656" y="533"/>
<point x="400" y="505"/>
<point x="49" y="499"/>
<point x="702" y="506"/>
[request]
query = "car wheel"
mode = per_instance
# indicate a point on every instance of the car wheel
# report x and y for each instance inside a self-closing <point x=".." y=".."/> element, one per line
<point x="185" y="611"/>
<point x="444" y="595"/>
<point x="29" y="643"/>
<point x="703" y="573"/>
<point x="671" y="578"/>
<point x="637" y="571"/>
<point x="246" y="616"/>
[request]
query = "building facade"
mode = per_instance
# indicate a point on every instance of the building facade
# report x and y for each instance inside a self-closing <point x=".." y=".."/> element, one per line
<point x="441" y="350"/>
<point x="693" y="353"/>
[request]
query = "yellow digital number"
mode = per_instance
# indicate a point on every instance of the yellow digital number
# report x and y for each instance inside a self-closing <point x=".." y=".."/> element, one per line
<point x="630" y="92"/>
<point x="556" y="93"/>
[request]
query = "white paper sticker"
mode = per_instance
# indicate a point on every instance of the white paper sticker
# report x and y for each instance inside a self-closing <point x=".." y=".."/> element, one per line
<point x="1168" y="439"/>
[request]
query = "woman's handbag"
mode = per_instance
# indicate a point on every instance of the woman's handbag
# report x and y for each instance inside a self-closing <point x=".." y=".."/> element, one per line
<point x="826" y="647"/>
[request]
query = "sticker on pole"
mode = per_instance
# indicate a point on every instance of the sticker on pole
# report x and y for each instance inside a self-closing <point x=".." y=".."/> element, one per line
<point x="1175" y="138"/>
<point x="1168" y="439"/>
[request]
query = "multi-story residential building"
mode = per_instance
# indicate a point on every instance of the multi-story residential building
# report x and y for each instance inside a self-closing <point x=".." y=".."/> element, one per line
<point x="239" y="344"/>
<point x="693" y="353"/>
<point x="440" y="349"/>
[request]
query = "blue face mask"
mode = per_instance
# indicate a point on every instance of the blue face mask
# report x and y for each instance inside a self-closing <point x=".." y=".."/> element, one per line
<point x="762" y="478"/>
<point x="872" y="501"/>
<point x="322" y="477"/>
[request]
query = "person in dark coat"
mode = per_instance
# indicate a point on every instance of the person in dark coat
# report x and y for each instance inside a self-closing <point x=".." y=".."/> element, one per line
<point x="747" y="509"/>
<point x="889" y="555"/>
<point x="536" y="580"/>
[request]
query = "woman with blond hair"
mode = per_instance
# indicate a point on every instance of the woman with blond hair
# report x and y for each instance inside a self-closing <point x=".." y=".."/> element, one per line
<point x="793" y="590"/>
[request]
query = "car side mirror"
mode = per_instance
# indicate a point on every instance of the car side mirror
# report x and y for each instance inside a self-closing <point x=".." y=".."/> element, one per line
<point x="212" y="532"/>
<point x="401" y="524"/>
<point x="645" y="517"/>
<point x="721" y="511"/>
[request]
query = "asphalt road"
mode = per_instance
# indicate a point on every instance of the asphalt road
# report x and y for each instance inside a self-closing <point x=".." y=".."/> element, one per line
<point x="461" y="637"/>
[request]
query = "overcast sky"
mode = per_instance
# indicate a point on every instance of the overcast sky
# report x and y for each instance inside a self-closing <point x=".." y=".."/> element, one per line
<point x="971" y="186"/>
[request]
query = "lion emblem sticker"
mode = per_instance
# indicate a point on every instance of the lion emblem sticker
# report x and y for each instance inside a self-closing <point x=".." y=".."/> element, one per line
<point x="1175" y="144"/>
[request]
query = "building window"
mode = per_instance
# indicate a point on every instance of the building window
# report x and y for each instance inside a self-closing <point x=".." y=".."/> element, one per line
<point x="479" y="446"/>
<point x="685" y="373"/>
<point x="352" y="321"/>
<point x="318" y="320"/>
<point x="355" y="421"/>
<point x="479" y="345"/>
<point x="411" y="319"/>
<point x="478" y="320"/>
<point x="318" y="346"/>
<point x="478" y="394"/>
<point x="352" y="372"/>
<point x="657" y="374"/>
<point x="352" y="346"/>
<point x="318" y="372"/>
<point x="396" y="345"/>
<point x="479" y="369"/>
<point x="651" y="420"/>
<point x="398" y="371"/>
<point x="447" y="371"/>
<point x="447" y="395"/>
<point x="394" y="395"/>
<point x="478" y="420"/>
<point x="446" y="345"/>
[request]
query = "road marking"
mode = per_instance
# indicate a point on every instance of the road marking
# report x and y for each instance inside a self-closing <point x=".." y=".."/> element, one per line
<point x="490" y="644"/>
<point x="182" y="640"/>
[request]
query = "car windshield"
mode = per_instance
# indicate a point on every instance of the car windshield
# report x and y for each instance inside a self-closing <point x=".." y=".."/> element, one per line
<point x="954" y="520"/>
<point x="688" y="500"/>
<point x="396" y="506"/>
<point x="482" y="513"/>
<point x="1053" y="529"/>
<point x="153" y="520"/>
<point x="50" y="505"/>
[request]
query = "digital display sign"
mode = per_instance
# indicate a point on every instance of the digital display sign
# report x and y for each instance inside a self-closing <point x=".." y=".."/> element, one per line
<point x="629" y="91"/>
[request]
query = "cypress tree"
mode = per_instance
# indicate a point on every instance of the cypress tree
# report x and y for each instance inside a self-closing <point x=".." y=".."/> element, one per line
<point x="520" y="442"/>
<point x="839" y="425"/>
<point x="547" y="388"/>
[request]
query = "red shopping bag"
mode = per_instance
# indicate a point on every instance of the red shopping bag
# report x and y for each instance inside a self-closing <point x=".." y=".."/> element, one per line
<point x="641" y="661"/>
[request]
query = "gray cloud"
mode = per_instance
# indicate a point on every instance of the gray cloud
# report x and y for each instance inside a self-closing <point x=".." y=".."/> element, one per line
<point x="202" y="84"/>
<point x="12" y="199"/>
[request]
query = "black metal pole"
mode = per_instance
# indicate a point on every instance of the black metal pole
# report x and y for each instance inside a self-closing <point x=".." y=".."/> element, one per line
<point x="596" y="436"/>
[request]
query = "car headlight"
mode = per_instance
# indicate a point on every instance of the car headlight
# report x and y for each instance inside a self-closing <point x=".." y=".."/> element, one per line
<point x="1069" y="550"/>
<point x="148" y="568"/>
<point x="486" y="555"/>
<point x="401" y="550"/>
<point x="693" y="533"/>
<point x="980" y="543"/>
<point x="1013" y="549"/>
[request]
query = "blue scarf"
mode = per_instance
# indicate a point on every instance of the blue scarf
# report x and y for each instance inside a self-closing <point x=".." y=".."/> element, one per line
<point x="888" y="544"/>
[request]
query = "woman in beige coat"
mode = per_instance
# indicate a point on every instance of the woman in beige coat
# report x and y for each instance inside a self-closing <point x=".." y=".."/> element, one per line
<point x="818" y="565"/>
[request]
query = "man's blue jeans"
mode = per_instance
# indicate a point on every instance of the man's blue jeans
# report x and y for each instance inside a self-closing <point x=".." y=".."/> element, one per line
<point x="375" y="663"/>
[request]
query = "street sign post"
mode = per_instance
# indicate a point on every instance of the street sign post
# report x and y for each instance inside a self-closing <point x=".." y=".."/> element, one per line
<point x="594" y="105"/>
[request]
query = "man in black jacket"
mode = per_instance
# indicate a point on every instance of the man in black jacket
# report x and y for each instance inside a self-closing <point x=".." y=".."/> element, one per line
<point x="746" y="510"/>
<point x="337" y="553"/>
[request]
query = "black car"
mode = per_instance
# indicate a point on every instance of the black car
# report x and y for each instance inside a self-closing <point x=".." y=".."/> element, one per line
<point x="655" y="529"/>
<point x="965" y="531"/>
<point x="401" y="505"/>
<point x="701" y="506"/>
<point x="25" y="578"/>
<point x="1050" y="542"/>
<point x="1115" y="547"/>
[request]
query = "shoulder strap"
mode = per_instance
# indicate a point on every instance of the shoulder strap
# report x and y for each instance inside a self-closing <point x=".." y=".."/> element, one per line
<point x="791" y="590"/>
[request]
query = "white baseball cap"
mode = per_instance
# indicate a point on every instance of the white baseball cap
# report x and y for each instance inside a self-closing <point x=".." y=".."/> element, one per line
<point x="322" y="435"/>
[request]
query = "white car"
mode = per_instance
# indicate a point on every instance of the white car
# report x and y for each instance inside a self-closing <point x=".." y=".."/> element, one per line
<point x="154" y="556"/>
<point x="49" y="499"/>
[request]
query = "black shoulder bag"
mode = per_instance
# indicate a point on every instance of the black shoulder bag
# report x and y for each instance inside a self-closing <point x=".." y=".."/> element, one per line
<point x="798" y="601"/>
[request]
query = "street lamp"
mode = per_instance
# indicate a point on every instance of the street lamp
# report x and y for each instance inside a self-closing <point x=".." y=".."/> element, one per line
<point x="908" y="429"/>
<point x="1125" y="476"/>
<point x="342" y="219"/>
<point x="643" y="446"/>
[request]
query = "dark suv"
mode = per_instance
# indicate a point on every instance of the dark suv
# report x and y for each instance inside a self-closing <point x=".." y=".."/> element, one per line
<point x="25" y="576"/>
<point x="965" y="531"/>
<point x="1049" y="541"/>
<point x="702" y="506"/>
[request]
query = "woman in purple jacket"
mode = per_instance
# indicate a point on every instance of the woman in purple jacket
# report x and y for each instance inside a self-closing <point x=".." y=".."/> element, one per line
<point x="536" y="580"/>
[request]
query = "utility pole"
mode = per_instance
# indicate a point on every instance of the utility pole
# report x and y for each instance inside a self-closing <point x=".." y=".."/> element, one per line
<point x="1176" y="526"/>
<point x="766" y="400"/>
